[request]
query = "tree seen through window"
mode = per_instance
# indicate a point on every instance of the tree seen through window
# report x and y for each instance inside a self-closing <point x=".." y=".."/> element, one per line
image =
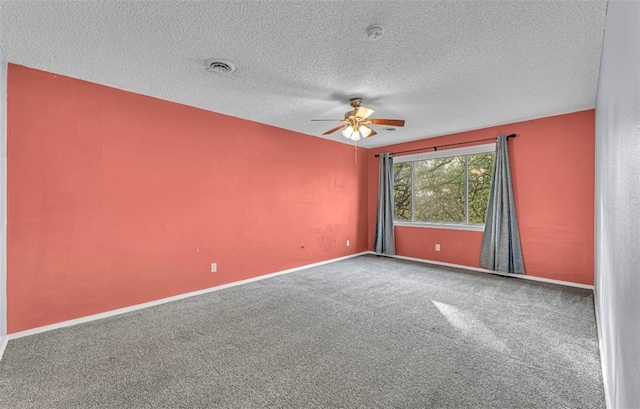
<point x="444" y="190"/>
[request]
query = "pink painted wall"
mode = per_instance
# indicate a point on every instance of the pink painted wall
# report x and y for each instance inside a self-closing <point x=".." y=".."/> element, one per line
<point x="552" y="164"/>
<point x="116" y="199"/>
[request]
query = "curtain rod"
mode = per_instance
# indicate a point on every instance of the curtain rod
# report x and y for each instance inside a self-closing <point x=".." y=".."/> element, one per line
<point x="435" y="148"/>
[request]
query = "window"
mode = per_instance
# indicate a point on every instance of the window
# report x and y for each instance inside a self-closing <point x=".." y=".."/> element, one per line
<point x="444" y="187"/>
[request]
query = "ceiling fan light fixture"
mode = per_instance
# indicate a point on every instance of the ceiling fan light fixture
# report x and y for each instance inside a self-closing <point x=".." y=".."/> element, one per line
<point x="365" y="131"/>
<point x="353" y="133"/>
<point x="347" y="132"/>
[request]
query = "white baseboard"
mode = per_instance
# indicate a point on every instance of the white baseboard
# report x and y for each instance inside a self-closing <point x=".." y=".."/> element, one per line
<point x="483" y="270"/>
<point x="3" y="345"/>
<point x="136" y="307"/>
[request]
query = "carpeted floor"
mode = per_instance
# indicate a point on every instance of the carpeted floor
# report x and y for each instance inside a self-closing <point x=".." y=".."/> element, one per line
<point x="367" y="332"/>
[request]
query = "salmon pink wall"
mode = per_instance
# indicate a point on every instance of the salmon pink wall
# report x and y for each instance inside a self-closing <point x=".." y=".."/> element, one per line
<point x="116" y="199"/>
<point x="552" y="165"/>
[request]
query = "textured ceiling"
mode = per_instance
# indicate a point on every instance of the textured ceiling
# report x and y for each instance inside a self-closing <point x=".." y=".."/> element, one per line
<point x="443" y="66"/>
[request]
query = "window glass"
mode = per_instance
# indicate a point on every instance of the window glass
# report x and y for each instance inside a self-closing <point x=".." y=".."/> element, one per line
<point x="439" y="190"/>
<point x="402" y="190"/>
<point x="452" y="189"/>
<point x="480" y="174"/>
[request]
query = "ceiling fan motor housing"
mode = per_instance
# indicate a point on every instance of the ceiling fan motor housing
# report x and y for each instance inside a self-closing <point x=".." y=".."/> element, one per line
<point x="355" y="102"/>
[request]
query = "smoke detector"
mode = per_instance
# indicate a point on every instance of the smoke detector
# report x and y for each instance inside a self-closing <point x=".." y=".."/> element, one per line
<point x="219" y="66"/>
<point x="374" y="32"/>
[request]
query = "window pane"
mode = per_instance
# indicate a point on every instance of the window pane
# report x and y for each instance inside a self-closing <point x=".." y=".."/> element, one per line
<point x="480" y="173"/>
<point x="439" y="190"/>
<point x="402" y="190"/>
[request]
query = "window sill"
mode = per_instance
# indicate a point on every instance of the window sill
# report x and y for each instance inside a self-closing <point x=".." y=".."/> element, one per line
<point x="450" y="226"/>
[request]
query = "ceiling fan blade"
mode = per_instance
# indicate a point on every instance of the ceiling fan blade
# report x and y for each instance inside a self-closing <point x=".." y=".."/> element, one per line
<point x="372" y="133"/>
<point x="337" y="128"/>
<point x="364" y="112"/>
<point x="392" y="122"/>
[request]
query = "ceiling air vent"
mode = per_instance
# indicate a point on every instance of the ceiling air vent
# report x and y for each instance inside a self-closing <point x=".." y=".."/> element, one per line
<point x="219" y="66"/>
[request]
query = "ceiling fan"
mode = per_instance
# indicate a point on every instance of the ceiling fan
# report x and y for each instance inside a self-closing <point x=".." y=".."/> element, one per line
<point x="356" y="123"/>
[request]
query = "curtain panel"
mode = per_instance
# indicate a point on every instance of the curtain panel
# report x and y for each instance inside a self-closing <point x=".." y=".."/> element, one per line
<point x="501" y="249"/>
<point x="385" y="242"/>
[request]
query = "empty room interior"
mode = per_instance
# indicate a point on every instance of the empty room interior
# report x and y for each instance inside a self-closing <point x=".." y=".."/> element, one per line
<point x="332" y="204"/>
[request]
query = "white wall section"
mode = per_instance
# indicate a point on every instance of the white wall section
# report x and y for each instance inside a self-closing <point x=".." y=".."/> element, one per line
<point x="618" y="204"/>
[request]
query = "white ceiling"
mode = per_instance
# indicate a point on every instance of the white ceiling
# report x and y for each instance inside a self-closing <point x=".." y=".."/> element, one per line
<point x="443" y="66"/>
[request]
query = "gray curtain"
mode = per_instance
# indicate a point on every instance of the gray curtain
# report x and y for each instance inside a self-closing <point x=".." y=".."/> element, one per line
<point x="385" y="241"/>
<point x="501" y="249"/>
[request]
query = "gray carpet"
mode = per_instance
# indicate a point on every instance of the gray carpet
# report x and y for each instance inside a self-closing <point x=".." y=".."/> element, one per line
<point x="368" y="332"/>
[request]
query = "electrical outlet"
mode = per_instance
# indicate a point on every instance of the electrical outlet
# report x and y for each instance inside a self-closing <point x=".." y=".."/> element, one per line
<point x="348" y="243"/>
<point x="214" y="267"/>
<point x="437" y="247"/>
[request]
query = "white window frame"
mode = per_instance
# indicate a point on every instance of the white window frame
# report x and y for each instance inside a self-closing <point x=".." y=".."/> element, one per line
<point x="446" y="153"/>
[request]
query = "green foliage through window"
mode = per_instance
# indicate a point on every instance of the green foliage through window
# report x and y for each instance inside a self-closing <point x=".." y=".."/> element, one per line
<point x="444" y="190"/>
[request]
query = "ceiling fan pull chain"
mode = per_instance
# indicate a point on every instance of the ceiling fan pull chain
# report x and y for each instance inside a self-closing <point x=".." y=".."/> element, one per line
<point x="356" y="153"/>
